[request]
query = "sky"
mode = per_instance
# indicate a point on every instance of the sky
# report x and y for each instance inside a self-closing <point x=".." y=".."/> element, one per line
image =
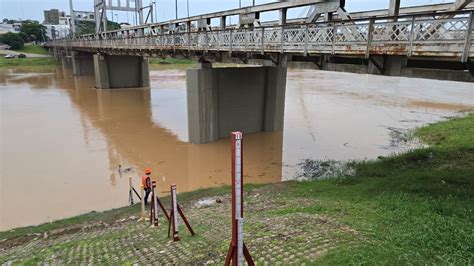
<point x="33" y="9"/>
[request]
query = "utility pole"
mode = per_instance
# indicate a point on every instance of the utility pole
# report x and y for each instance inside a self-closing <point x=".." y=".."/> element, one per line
<point x="187" y="3"/>
<point x="176" y="8"/>
<point x="240" y="3"/>
<point x="73" y="17"/>
<point x="156" y="9"/>
<point x="253" y="2"/>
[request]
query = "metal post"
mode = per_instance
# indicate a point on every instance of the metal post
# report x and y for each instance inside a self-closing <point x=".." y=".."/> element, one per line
<point x="130" y="192"/>
<point x="245" y="40"/>
<point x="174" y="206"/>
<point x="153" y="205"/>
<point x="369" y="38"/>
<point x="176" y="8"/>
<point x="412" y="36"/>
<point x="155" y="200"/>
<point x="334" y="38"/>
<point x="282" y="41"/>
<point x="306" y="37"/>
<point x="73" y="19"/>
<point x="263" y="40"/>
<point x="187" y="6"/>
<point x="231" y="37"/>
<point x="142" y="192"/>
<point x="467" y="45"/>
<point x="188" y="27"/>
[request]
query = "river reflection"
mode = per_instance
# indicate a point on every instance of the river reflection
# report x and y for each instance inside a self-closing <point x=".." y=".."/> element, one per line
<point x="62" y="140"/>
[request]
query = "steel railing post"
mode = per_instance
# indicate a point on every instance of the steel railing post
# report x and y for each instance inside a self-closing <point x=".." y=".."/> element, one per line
<point x="467" y="43"/>
<point x="231" y="40"/>
<point x="306" y="38"/>
<point x="245" y="40"/>
<point x="370" y="34"/>
<point x="412" y="36"/>
<point x="282" y="41"/>
<point x="333" y="38"/>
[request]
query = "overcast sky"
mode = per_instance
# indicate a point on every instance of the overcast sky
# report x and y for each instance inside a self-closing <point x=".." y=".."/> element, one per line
<point x="33" y="9"/>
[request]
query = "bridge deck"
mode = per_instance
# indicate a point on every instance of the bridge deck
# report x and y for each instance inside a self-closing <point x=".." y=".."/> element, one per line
<point x="438" y="35"/>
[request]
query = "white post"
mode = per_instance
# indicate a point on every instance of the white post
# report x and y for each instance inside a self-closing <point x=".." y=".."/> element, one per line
<point x="238" y="197"/>
<point x="175" y="208"/>
<point x="155" y="200"/>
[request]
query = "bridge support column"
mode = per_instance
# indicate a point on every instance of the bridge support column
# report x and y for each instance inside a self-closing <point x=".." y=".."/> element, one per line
<point x="121" y="71"/>
<point x="387" y="65"/>
<point x="82" y="64"/>
<point x="221" y="100"/>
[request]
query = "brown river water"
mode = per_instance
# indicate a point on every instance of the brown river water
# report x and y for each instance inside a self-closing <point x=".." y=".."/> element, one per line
<point x="61" y="140"/>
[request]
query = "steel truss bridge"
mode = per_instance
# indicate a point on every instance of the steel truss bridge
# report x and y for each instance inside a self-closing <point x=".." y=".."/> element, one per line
<point x="420" y="32"/>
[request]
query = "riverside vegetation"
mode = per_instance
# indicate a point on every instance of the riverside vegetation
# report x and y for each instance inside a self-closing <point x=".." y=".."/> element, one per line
<point x="412" y="208"/>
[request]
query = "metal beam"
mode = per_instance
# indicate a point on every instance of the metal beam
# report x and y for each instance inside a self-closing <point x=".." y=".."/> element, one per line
<point x="460" y="4"/>
<point x="394" y="8"/>
<point x="321" y="8"/>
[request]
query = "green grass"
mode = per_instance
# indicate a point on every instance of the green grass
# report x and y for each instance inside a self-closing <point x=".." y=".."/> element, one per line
<point x="171" y="60"/>
<point x="43" y="61"/>
<point x="414" y="208"/>
<point x="33" y="49"/>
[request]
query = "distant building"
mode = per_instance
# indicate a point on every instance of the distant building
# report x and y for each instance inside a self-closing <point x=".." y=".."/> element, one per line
<point x="51" y="17"/>
<point x="15" y="27"/>
<point x="60" y="31"/>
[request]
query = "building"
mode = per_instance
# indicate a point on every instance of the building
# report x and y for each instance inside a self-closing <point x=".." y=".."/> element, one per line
<point x="51" y="17"/>
<point x="15" y="27"/>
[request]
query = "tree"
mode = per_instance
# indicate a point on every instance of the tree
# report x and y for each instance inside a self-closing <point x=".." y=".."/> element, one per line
<point x="24" y="36"/>
<point x="13" y="40"/>
<point x="34" y="30"/>
<point x="88" y="27"/>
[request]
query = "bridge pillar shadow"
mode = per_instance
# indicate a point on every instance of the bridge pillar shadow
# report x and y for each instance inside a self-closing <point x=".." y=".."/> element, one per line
<point x="221" y="100"/>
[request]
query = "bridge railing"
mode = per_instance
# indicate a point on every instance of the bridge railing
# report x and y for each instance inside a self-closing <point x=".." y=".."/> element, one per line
<point x="440" y="34"/>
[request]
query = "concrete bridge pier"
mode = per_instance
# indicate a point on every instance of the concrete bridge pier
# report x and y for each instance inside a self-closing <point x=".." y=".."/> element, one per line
<point x="121" y="71"/>
<point x="221" y="100"/>
<point x="387" y="65"/>
<point x="82" y="64"/>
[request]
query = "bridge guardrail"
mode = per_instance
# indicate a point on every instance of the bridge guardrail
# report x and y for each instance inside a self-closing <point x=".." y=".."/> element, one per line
<point x="439" y="34"/>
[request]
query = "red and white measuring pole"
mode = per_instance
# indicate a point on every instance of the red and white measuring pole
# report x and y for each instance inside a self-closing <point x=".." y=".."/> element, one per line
<point x="238" y="252"/>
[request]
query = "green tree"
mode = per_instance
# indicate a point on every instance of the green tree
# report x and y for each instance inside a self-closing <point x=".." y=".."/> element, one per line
<point x="88" y="27"/>
<point x="34" y="30"/>
<point x="13" y="40"/>
<point x="24" y="36"/>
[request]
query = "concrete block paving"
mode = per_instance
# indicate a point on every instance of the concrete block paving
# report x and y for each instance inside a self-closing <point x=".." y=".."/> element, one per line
<point x="272" y="236"/>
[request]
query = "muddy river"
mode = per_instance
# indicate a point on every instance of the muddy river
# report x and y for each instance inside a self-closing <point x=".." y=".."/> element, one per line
<point x="62" y="141"/>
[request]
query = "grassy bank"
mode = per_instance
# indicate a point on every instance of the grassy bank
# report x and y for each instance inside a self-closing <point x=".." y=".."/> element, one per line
<point x="33" y="49"/>
<point x="413" y="208"/>
<point x="43" y="61"/>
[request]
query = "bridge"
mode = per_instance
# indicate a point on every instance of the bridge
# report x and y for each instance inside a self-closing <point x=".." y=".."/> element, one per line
<point x="398" y="41"/>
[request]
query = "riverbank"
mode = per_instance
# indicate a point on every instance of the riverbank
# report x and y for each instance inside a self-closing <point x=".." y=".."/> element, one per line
<point x="47" y="61"/>
<point x="411" y="208"/>
<point x="37" y="61"/>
